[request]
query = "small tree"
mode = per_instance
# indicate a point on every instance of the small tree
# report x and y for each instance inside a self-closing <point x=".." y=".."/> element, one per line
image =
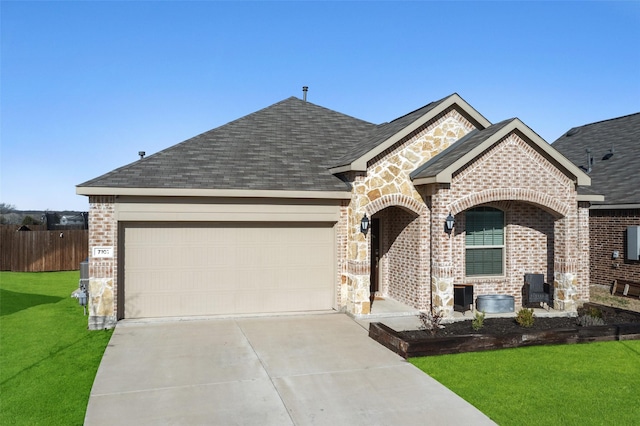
<point x="29" y="220"/>
<point x="6" y="208"/>
<point x="6" y="213"/>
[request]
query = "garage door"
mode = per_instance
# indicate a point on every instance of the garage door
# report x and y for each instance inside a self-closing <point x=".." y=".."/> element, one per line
<point x="210" y="269"/>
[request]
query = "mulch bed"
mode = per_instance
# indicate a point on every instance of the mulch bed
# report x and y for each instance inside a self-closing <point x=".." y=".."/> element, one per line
<point x="498" y="333"/>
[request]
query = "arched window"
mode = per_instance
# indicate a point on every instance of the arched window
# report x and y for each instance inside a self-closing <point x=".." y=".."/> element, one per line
<point x="484" y="241"/>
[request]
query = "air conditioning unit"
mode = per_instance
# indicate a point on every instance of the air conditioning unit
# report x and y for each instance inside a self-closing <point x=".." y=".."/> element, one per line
<point x="633" y="242"/>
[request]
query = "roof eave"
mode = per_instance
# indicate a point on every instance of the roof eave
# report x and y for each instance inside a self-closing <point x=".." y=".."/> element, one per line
<point x="614" y="206"/>
<point x="360" y="164"/>
<point x="231" y="193"/>
<point x="439" y="178"/>
<point x="592" y="198"/>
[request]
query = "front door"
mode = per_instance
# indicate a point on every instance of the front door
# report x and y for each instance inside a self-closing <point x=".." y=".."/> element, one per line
<point x="375" y="257"/>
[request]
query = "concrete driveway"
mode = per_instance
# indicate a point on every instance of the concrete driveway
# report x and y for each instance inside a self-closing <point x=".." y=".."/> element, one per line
<point x="285" y="370"/>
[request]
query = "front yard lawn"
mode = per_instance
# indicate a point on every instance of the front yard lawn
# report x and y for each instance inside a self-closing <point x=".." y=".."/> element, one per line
<point x="48" y="358"/>
<point x="583" y="384"/>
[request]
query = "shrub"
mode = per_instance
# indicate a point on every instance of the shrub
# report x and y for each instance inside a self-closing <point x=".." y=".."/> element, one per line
<point x="478" y="321"/>
<point x="29" y="220"/>
<point x="430" y="321"/>
<point x="525" y="317"/>
<point x="590" y="311"/>
<point x="588" y="316"/>
<point x="588" y="320"/>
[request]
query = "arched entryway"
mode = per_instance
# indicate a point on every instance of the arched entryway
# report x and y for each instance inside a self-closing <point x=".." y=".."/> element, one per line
<point x="497" y="243"/>
<point x="397" y="257"/>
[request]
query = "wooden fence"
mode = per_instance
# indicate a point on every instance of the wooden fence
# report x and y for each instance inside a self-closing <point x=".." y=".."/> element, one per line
<point x="39" y="250"/>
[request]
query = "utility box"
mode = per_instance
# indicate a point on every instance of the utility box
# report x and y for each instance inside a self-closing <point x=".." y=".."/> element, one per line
<point x="633" y="242"/>
<point x="84" y="274"/>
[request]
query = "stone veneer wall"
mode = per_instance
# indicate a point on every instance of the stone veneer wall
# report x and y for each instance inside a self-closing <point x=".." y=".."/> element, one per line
<point x="387" y="183"/>
<point x="103" y="272"/>
<point x="608" y="230"/>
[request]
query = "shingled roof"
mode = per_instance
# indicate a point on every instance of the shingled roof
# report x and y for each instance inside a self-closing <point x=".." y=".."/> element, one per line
<point x="617" y="177"/>
<point x="383" y="132"/>
<point x="287" y="146"/>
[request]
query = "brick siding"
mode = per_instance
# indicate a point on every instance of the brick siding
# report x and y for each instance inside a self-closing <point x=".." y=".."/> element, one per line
<point x="608" y="230"/>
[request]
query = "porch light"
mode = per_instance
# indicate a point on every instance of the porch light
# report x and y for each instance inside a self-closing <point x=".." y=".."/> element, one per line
<point x="449" y="222"/>
<point x="364" y="224"/>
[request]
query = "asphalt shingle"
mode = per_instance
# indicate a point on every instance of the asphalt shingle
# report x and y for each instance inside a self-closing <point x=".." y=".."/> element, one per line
<point x="287" y="146"/>
<point x="618" y="177"/>
<point x="383" y="132"/>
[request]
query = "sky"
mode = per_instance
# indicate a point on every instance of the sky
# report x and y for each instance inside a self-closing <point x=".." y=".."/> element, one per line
<point x="86" y="85"/>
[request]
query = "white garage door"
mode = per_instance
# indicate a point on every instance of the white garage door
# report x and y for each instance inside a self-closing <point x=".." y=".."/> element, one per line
<point x="209" y="269"/>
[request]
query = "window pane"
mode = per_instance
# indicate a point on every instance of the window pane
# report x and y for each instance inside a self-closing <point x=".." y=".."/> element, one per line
<point x="484" y="227"/>
<point x="487" y="261"/>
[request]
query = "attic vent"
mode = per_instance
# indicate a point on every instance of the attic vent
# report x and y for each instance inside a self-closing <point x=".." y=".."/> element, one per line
<point x="608" y="154"/>
<point x="589" y="166"/>
<point x="573" y="131"/>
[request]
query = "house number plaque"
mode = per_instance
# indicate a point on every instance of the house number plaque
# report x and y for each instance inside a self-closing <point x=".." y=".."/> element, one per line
<point x="102" y="252"/>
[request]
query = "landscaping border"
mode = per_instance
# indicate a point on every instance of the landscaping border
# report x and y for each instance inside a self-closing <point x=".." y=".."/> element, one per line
<point x="408" y="347"/>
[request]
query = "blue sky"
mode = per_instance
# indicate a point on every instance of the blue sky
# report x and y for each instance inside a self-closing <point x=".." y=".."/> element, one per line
<point x="86" y="85"/>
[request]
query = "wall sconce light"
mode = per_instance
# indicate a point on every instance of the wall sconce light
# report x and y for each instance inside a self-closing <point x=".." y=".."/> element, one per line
<point x="449" y="222"/>
<point x="364" y="224"/>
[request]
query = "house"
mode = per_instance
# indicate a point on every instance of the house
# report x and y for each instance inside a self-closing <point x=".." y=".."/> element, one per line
<point x="609" y="151"/>
<point x="300" y="208"/>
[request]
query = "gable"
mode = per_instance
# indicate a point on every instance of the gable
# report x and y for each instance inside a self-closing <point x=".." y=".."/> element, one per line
<point x="385" y="136"/>
<point x="388" y="174"/>
<point x="513" y="169"/>
<point x="441" y="169"/>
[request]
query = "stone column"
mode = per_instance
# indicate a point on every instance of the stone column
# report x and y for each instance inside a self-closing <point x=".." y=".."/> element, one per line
<point x="441" y="253"/>
<point x="565" y="265"/>
<point x="357" y="265"/>
<point x="584" y="252"/>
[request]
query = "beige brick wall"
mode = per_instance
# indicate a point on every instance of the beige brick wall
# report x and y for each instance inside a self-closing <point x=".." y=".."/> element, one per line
<point x="401" y="260"/>
<point x="545" y="232"/>
<point x="529" y="248"/>
<point x="103" y="272"/>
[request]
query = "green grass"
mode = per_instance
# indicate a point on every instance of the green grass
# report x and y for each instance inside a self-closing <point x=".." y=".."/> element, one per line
<point x="584" y="384"/>
<point x="48" y="358"/>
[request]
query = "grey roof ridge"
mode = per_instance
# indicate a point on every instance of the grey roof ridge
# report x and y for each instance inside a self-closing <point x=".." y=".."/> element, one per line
<point x="600" y="122"/>
<point x="162" y="151"/>
<point x="383" y="126"/>
<point x="167" y="150"/>
<point x="432" y="103"/>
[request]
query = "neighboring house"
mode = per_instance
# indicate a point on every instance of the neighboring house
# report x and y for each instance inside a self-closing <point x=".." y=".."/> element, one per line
<point x="265" y="214"/>
<point x="610" y="153"/>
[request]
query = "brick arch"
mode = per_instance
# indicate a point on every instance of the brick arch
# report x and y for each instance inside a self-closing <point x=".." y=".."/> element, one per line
<point x="545" y="201"/>
<point x="395" y="200"/>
